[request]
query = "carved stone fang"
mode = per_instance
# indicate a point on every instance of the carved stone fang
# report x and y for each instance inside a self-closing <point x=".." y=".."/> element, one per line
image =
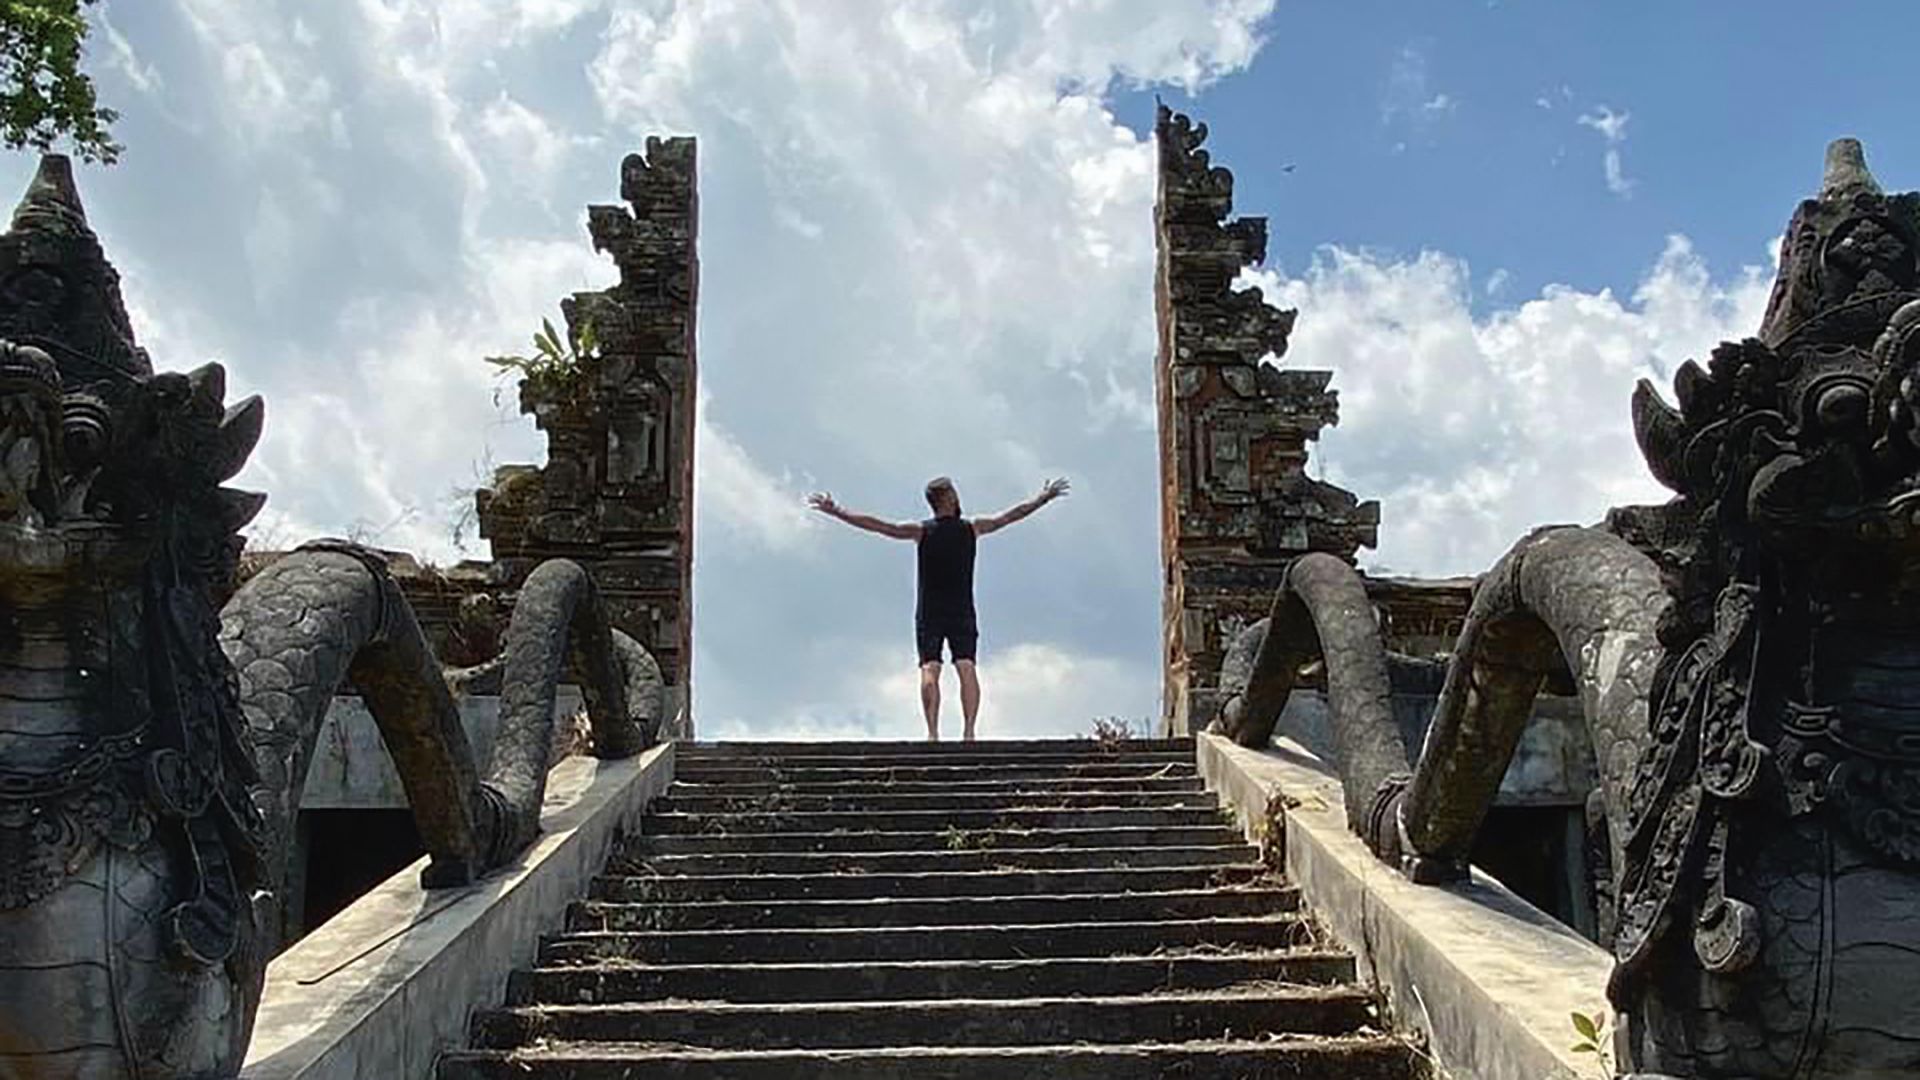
<point x="240" y="430"/>
<point x="1661" y="433"/>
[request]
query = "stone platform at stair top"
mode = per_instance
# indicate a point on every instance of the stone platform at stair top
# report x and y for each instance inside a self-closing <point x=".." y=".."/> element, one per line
<point x="1063" y="909"/>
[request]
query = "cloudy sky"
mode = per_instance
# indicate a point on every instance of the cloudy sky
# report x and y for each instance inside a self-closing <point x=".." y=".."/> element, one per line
<point x="926" y="248"/>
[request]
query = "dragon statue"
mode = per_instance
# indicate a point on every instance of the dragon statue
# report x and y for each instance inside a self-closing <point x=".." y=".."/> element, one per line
<point x="153" y="749"/>
<point x="1747" y="656"/>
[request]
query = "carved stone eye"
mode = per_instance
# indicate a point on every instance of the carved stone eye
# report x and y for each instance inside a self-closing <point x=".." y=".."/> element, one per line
<point x="170" y="389"/>
<point x="1842" y="407"/>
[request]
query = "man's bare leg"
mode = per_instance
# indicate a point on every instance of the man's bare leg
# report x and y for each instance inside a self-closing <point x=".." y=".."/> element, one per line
<point x="969" y="695"/>
<point x="930" y="698"/>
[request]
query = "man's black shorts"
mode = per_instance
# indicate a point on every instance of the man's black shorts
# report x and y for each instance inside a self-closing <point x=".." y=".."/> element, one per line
<point x="962" y="637"/>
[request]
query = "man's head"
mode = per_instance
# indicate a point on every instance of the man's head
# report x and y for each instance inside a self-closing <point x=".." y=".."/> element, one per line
<point x="941" y="496"/>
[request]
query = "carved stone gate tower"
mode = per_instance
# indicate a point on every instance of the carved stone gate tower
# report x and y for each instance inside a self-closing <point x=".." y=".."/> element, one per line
<point x="1236" y="503"/>
<point x="616" y="494"/>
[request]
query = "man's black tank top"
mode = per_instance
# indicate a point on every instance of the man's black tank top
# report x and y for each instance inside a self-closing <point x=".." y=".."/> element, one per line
<point x="946" y="570"/>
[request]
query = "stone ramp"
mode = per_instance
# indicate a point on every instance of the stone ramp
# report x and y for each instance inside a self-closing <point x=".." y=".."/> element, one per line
<point x="904" y="910"/>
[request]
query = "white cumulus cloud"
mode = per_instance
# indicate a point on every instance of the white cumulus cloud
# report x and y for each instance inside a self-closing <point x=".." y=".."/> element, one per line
<point x="925" y="248"/>
<point x="1471" y="429"/>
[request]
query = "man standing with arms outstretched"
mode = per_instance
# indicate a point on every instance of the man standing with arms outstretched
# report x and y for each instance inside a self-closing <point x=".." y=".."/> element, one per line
<point x="943" y="610"/>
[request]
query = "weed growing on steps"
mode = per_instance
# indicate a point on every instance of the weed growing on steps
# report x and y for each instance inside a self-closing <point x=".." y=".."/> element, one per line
<point x="1591" y="1029"/>
<point x="1112" y="734"/>
<point x="958" y="839"/>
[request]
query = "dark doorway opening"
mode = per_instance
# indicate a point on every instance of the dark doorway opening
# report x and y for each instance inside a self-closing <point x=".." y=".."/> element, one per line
<point x="348" y="852"/>
<point x="1540" y="852"/>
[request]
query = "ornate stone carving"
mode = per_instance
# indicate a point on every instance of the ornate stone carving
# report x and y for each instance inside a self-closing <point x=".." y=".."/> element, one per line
<point x="1748" y="660"/>
<point x="1783" y="750"/>
<point x="124" y="766"/>
<point x="616" y="494"/>
<point x="1236" y="502"/>
<point x="152" y="758"/>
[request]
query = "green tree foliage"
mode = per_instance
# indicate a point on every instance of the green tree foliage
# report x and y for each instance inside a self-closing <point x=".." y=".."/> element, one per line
<point x="44" y="96"/>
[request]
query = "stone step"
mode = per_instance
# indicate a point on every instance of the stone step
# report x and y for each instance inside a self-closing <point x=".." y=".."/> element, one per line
<point x="594" y="915"/>
<point x="1346" y="1058"/>
<point x="635" y="859"/>
<point x="1172" y="1017"/>
<point x="1130" y="836"/>
<point x="977" y="762"/>
<point x="940" y="787"/>
<point x="725" y="801"/>
<point x="926" y="980"/>
<point x="637" y="889"/>
<point x="932" y="821"/>
<point x="921" y="746"/>
<point x="1023" y="908"/>
<point x="1071" y="939"/>
<point x="715" y="773"/>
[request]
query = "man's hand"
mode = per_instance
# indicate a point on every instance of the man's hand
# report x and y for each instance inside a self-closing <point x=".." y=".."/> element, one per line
<point x="1050" y="491"/>
<point x="823" y="502"/>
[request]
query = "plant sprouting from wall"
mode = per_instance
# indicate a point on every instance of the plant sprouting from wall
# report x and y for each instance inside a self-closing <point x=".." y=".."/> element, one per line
<point x="555" y="367"/>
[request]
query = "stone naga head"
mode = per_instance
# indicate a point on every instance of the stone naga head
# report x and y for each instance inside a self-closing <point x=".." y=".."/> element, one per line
<point x="1803" y="438"/>
<point x="115" y="532"/>
<point x="103" y="463"/>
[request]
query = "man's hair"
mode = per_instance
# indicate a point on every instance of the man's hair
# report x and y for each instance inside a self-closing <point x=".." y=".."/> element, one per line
<point x="937" y="485"/>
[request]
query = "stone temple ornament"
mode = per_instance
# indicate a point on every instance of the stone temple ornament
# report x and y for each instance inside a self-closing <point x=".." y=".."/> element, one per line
<point x="1747" y="656"/>
<point x="153" y="749"/>
<point x="1236" y="502"/>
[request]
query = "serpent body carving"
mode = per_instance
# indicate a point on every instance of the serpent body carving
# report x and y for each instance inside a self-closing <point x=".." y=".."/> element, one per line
<point x="153" y="751"/>
<point x="1748" y="659"/>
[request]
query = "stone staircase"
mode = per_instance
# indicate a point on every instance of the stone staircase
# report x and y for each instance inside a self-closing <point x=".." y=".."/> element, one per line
<point x="860" y="911"/>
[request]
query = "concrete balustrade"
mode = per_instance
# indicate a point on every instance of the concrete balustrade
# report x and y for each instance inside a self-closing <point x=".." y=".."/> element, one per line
<point x="1488" y="979"/>
<point x="380" y="990"/>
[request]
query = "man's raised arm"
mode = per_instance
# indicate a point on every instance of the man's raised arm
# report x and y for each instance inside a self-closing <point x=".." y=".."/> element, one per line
<point x="1053" y="490"/>
<point x="824" y="503"/>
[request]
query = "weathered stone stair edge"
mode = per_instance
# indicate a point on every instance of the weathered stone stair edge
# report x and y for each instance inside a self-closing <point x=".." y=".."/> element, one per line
<point x="909" y="980"/>
<point x="829" y="758"/>
<point x="1351" y="1058"/>
<point x="1090" y="747"/>
<point x="1026" y="940"/>
<point x="926" y="821"/>
<point x="685" y="888"/>
<point x="1065" y="759"/>
<point x="639" y="862"/>
<point x="388" y="984"/>
<point x="939" y="773"/>
<point x="1488" y="978"/>
<point x="1171" y="1017"/>
<point x="1189" y="783"/>
<point x="875" y="912"/>
<point x="1118" y="836"/>
<point x="699" y="802"/>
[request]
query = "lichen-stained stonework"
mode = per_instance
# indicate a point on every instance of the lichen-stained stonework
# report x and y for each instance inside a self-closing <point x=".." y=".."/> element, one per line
<point x="616" y="494"/>
<point x="1236" y="503"/>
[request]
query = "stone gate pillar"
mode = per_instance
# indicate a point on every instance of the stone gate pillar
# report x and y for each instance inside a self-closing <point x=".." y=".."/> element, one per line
<point x="616" y="493"/>
<point x="1236" y="503"/>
